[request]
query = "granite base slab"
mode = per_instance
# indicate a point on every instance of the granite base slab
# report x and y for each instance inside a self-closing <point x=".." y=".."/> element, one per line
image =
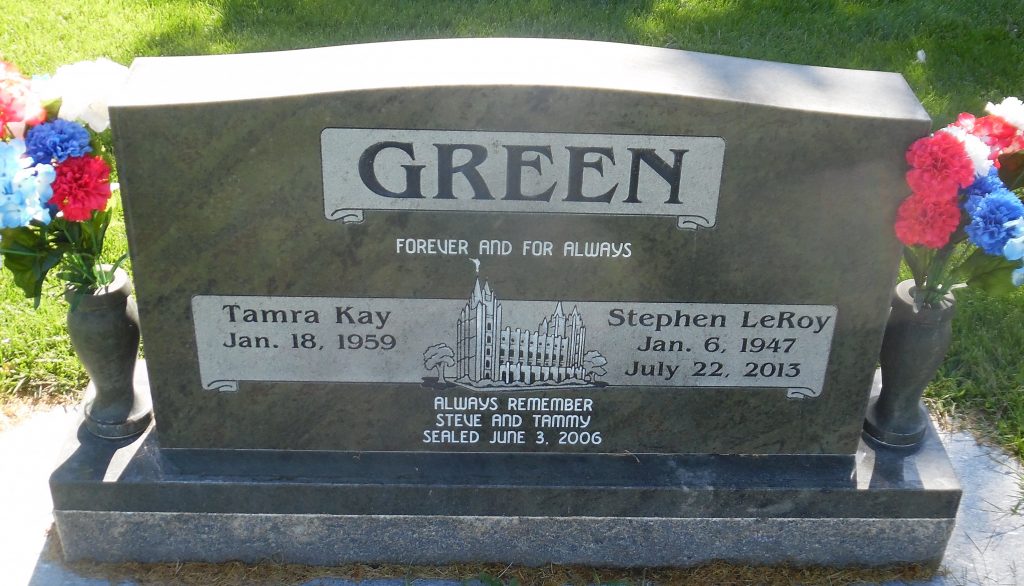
<point x="128" y="501"/>
<point x="325" y="540"/>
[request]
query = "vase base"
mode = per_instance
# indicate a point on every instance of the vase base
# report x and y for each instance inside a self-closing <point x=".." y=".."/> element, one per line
<point x="138" y="417"/>
<point x="873" y="430"/>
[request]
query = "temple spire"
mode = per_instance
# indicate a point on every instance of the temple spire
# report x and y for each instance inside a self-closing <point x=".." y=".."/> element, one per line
<point x="478" y="295"/>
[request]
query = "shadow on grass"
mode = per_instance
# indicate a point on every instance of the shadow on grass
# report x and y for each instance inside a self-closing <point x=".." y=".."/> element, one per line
<point x="966" y="65"/>
<point x="251" y="25"/>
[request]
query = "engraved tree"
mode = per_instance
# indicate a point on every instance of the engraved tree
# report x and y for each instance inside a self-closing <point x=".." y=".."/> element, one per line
<point x="594" y="363"/>
<point x="437" y="357"/>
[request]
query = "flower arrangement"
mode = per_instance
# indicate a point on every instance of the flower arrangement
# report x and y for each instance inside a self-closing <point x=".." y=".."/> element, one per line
<point x="963" y="222"/>
<point x="55" y="175"/>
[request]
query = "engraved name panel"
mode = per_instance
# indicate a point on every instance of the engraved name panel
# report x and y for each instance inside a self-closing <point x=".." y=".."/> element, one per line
<point x="526" y="172"/>
<point x="485" y="343"/>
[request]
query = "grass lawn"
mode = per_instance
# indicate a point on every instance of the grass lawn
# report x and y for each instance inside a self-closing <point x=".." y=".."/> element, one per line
<point x="974" y="51"/>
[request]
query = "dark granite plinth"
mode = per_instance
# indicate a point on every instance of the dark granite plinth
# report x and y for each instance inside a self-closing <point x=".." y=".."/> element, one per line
<point x="810" y="181"/>
<point x="125" y="500"/>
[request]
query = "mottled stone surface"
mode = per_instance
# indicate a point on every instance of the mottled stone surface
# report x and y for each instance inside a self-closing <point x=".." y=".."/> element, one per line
<point x="221" y="174"/>
<point x="617" y="542"/>
<point x="136" y="476"/>
<point x="900" y="507"/>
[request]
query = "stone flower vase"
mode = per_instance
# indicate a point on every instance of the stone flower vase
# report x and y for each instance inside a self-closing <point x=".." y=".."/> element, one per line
<point x="104" y="330"/>
<point x="914" y="346"/>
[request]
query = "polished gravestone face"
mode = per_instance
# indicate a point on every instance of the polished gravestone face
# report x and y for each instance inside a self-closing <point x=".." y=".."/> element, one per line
<point x="396" y="248"/>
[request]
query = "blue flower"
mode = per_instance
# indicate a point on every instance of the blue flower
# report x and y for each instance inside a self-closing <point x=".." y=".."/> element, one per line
<point x="988" y="227"/>
<point x="25" y="187"/>
<point x="1014" y="248"/>
<point x="57" y="140"/>
<point x="981" y="187"/>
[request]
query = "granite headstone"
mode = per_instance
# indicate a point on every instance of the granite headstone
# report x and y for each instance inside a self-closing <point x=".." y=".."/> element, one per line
<point x="523" y="300"/>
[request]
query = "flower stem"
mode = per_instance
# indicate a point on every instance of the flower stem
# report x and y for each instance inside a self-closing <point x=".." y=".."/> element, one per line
<point x="936" y="286"/>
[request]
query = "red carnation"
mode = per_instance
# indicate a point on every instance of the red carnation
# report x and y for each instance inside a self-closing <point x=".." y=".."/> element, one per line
<point x="1000" y="136"/>
<point x="82" y="185"/>
<point x="926" y="221"/>
<point x="926" y="185"/>
<point x="992" y="130"/>
<point x="939" y="163"/>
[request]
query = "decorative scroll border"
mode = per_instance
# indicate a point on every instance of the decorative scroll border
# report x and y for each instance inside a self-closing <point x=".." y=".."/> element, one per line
<point x="357" y="216"/>
<point x="222" y="385"/>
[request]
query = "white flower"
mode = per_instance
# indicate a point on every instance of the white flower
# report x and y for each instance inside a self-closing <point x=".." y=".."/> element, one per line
<point x="976" y="150"/>
<point x="84" y="89"/>
<point x="1010" y="109"/>
<point x="921" y="57"/>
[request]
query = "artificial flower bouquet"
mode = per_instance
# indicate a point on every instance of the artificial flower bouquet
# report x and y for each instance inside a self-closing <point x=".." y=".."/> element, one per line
<point x="964" y="220"/>
<point x="55" y="175"/>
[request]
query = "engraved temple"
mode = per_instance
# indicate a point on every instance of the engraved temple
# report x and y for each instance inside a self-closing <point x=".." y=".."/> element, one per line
<point x="486" y="352"/>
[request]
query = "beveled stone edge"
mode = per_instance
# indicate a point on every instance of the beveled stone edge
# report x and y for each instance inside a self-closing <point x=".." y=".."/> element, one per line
<point x="598" y="541"/>
<point x="539" y="62"/>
